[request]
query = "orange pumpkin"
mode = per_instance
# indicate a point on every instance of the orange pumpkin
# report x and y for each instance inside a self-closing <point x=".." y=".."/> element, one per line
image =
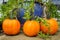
<point x="31" y="28"/>
<point x="11" y="26"/>
<point x="52" y="27"/>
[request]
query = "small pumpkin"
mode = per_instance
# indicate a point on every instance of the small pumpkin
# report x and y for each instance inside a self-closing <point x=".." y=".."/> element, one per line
<point x="52" y="28"/>
<point x="31" y="28"/>
<point x="11" y="26"/>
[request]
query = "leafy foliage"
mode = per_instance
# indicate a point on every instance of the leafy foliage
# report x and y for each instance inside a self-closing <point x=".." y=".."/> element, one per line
<point x="44" y="36"/>
<point x="29" y="11"/>
<point x="8" y="10"/>
<point x="52" y="10"/>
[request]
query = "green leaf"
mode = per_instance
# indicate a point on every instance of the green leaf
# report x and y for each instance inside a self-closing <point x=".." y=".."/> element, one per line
<point x="29" y="10"/>
<point x="42" y="35"/>
<point x="52" y="10"/>
<point x="6" y="9"/>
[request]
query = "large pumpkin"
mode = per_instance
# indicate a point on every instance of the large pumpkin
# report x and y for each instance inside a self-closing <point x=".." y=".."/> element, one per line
<point x="52" y="27"/>
<point x="11" y="26"/>
<point x="38" y="10"/>
<point x="31" y="28"/>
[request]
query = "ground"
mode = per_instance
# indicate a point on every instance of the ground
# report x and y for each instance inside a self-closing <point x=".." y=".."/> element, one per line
<point x="22" y="36"/>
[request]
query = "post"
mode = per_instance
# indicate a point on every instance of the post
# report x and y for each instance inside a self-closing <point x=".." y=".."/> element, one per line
<point x="44" y="11"/>
<point x="3" y="1"/>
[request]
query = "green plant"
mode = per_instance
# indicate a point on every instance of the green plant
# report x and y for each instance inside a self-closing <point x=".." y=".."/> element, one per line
<point x="44" y="36"/>
<point x="29" y="11"/>
<point x="9" y="9"/>
<point x="52" y="10"/>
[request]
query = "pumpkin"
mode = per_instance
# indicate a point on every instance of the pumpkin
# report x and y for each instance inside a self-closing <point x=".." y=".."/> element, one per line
<point x="31" y="28"/>
<point x="38" y="10"/>
<point x="11" y="26"/>
<point x="52" y="27"/>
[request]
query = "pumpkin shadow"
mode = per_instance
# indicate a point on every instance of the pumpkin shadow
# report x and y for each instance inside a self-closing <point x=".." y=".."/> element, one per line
<point x="12" y="34"/>
<point x="30" y="36"/>
<point x="0" y="26"/>
<point x="57" y="33"/>
<point x="1" y="33"/>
